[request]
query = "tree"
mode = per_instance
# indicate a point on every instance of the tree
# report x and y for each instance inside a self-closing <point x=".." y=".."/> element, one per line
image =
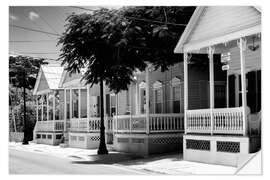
<point x="93" y="42"/>
<point x="112" y="44"/>
<point x="22" y="74"/>
<point x="154" y="32"/>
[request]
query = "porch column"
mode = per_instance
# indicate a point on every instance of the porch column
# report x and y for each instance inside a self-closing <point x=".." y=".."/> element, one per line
<point x="116" y="114"/>
<point x="185" y="90"/>
<point x="130" y="108"/>
<point x="47" y="106"/>
<point x="88" y="101"/>
<point x="147" y="100"/>
<point x="242" y="45"/>
<point x="211" y="84"/>
<point x="65" y="110"/>
<point x="54" y="125"/>
<point x="227" y="89"/>
<point x="88" y="105"/>
<point x="79" y="103"/>
<point x="137" y="98"/>
<point x="70" y="104"/>
<point x="104" y="107"/>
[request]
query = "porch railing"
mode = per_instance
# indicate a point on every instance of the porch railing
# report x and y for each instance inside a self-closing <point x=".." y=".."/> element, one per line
<point x="225" y="121"/>
<point x="91" y="124"/>
<point x="57" y="125"/>
<point x="157" y="123"/>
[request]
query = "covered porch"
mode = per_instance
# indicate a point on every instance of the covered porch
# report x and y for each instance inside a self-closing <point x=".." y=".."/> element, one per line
<point x="224" y="135"/>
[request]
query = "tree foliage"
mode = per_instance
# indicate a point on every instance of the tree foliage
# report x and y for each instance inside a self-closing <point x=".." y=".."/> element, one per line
<point x="154" y="32"/>
<point x="23" y="71"/>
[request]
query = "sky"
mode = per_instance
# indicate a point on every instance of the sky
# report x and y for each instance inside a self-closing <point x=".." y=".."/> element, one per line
<point x="44" y="18"/>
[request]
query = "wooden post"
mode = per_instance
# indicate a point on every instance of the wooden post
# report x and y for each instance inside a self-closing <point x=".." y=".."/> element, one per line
<point x="54" y="125"/>
<point x="47" y="106"/>
<point x="130" y="108"/>
<point x="227" y="89"/>
<point x="65" y="110"/>
<point x="88" y="106"/>
<point x="137" y="108"/>
<point x="242" y="44"/>
<point x="116" y="117"/>
<point x="211" y="84"/>
<point x="79" y="103"/>
<point x="105" y="107"/>
<point x="147" y="100"/>
<point x="185" y="90"/>
<point x="70" y="104"/>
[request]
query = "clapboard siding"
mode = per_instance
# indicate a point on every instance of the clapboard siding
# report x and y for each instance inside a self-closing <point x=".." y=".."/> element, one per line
<point x="198" y="89"/>
<point x="220" y="20"/>
<point x="253" y="59"/>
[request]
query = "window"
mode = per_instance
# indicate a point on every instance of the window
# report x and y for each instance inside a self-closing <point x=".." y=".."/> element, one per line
<point x="57" y="105"/>
<point x="113" y="105"/>
<point x="158" y="100"/>
<point x="39" y="107"/>
<point x="83" y="103"/>
<point x="50" y="99"/>
<point x="44" y="108"/>
<point x="177" y="95"/>
<point x="176" y="99"/>
<point x="75" y="103"/>
<point x="61" y="108"/>
<point x="142" y="95"/>
<point x="158" y="97"/>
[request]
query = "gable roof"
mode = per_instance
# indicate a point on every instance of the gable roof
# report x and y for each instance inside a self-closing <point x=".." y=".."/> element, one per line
<point x="211" y="25"/>
<point x="48" y="78"/>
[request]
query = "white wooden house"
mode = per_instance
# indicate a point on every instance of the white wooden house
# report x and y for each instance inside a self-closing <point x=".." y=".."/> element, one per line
<point x="72" y="109"/>
<point x="157" y="114"/>
<point x="224" y="135"/>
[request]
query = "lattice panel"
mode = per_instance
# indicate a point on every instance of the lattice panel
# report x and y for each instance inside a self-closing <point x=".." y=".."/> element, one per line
<point x="227" y="146"/>
<point x="81" y="138"/>
<point x="137" y="140"/>
<point x="168" y="140"/>
<point x="94" y="138"/>
<point x="198" y="144"/>
<point x="122" y="140"/>
<point x="73" y="138"/>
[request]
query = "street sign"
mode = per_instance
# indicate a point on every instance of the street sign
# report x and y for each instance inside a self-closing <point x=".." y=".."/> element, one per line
<point x="225" y="67"/>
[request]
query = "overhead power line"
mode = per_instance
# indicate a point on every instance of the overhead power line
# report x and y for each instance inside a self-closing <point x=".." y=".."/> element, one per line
<point x="34" y="30"/>
<point x="30" y="41"/>
<point x="138" y="19"/>
<point x="44" y="20"/>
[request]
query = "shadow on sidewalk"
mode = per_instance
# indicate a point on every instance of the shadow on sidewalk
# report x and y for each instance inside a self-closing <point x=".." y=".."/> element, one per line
<point x="110" y="158"/>
<point x="127" y="159"/>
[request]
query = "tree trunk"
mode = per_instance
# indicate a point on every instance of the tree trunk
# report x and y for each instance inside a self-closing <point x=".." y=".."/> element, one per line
<point x="14" y="120"/>
<point x="102" y="145"/>
<point x="25" y="140"/>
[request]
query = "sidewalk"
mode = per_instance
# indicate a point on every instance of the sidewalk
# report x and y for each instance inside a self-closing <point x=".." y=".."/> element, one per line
<point x="170" y="164"/>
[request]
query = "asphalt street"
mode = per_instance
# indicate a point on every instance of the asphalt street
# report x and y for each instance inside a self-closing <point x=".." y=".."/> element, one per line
<point x="23" y="162"/>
